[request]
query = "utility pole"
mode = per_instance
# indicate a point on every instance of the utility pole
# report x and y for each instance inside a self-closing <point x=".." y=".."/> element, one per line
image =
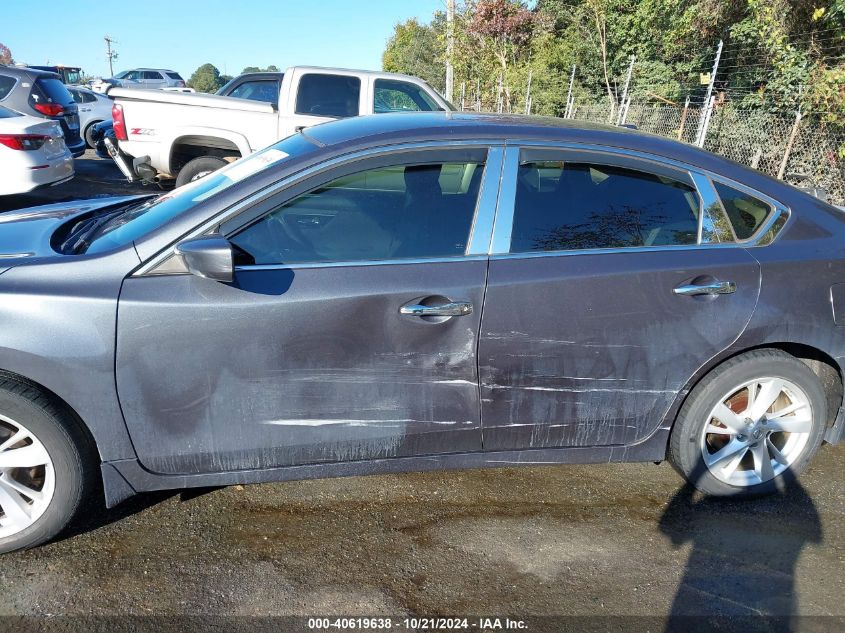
<point x="110" y="54"/>
<point x="450" y="47"/>
<point x="708" y="102"/>
<point x="619" y="120"/>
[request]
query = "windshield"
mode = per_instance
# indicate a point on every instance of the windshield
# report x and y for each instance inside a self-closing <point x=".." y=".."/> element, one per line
<point x="137" y="220"/>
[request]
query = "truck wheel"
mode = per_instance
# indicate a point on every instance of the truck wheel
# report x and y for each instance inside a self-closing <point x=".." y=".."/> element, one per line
<point x="198" y="168"/>
<point x="46" y="474"/>
<point x="750" y="426"/>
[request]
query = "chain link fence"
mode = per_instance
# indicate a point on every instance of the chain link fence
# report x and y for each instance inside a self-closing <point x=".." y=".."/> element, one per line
<point x="801" y="150"/>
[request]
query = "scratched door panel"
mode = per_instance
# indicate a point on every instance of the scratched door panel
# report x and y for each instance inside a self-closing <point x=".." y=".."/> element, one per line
<point x="300" y="366"/>
<point x="591" y="349"/>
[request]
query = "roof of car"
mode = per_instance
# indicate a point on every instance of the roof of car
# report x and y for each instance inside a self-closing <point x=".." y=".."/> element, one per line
<point x="26" y="71"/>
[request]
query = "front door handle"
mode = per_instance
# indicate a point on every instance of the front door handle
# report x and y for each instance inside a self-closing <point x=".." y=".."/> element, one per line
<point x="714" y="288"/>
<point x="453" y="308"/>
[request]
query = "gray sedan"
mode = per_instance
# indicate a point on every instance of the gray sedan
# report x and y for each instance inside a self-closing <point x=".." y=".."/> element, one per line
<point x="413" y="292"/>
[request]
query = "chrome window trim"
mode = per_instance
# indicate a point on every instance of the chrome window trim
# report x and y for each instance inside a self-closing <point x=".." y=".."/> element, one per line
<point x="365" y="262"/>
<point x="612" y="251"/>
<point x="212" y="224"/>
<point x="709" y="200"/>
<point x="503" y="224"/>
<point x="501" y="249"/>
<point x="484" y="217"/>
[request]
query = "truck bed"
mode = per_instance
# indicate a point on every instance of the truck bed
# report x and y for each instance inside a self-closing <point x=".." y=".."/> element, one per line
<point x="191" y="99"/>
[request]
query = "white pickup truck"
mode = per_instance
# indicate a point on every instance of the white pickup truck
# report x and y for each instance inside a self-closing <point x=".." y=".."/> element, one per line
<point x="186" y="136"/>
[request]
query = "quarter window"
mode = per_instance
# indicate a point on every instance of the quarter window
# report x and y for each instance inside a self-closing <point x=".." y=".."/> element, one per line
<point x="400" y="96"/>
<point x="6" y="85"/>
<point x="328" y="95"/>
<point x="746" y="213"/>
<point x="396" y="212"/>
<point x="563" y="205"/>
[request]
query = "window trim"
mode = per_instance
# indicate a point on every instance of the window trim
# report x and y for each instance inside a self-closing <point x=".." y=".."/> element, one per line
<point x="252" y="207"/>
<point x="500" y="245"/>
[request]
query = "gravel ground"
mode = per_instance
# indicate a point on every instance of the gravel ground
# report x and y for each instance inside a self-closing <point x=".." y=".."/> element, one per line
<point x="599" y="540"/>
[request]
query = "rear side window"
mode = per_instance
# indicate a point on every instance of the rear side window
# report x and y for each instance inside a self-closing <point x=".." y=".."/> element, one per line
<point x="152" y="74"/>
<point x="50" y="91"/>
<point x="328" y="95"/>
<point x="386" y="213"/>
<point x="6" y="85"/>
<point x="175" y="76"/>
<point x="746" y="213"/>
<point x="400" y="96"/>
<point x="262" y="90"/>
<point x="571" y="206"/>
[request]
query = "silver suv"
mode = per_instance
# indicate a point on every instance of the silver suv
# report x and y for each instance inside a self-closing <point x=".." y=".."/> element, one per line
<point x="42" y="94"/>
<point x="148" y="78"/>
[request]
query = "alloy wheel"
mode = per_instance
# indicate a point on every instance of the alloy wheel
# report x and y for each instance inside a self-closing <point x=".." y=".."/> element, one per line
<point x="27" y="478"/>
<point x="756" y="431"/>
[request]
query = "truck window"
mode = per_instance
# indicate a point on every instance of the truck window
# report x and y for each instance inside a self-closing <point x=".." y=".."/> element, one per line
<point x="328" y="95"/>
<point x="390" y="95"/>
<point x="258" y="90"/>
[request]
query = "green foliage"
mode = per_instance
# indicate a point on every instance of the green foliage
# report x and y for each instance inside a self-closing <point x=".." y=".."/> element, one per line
<point x="419" y="50"/>
<point x="6" y="55"/>
<point x="255" y="69"/>
<point x="206" y="78"/>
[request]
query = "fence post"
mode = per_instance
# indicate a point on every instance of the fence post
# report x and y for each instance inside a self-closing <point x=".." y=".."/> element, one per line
<point x="623" y="114"/>
<point x="463" y="94"/>
<point x="623" y="111"/>
<point x="683" y="119"/>
<point x="528" y="93"/>
<point x="704" y="123"/>
<point x="702" y="128"/>
<point x="792" y="134"/>
<point x="568" y="112"/>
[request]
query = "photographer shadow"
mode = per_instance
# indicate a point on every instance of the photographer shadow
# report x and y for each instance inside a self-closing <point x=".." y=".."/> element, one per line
<point x="740" y="574"/>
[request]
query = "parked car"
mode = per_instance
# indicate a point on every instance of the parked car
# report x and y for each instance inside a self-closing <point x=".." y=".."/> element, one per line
<point x="99" y="133"/>
<point x="93" y="108"/>
<point x="42" y="94"/>
<point x="147" y="78"/>
<point x="188" y="136"/>
<point x="263" y="86"/>
<point x="32" y="153"/>
<point x="402" y="292"/>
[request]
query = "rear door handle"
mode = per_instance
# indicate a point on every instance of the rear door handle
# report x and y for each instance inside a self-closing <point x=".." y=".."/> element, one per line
<point x="454" y="308"/>
<point x="714" y="288"/>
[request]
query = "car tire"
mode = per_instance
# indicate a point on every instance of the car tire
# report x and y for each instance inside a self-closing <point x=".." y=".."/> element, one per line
<point x="720" y="441"/>
<point x="198" y="168"/>
<point x="88" y="135"/>
<point x="27" y="521"/>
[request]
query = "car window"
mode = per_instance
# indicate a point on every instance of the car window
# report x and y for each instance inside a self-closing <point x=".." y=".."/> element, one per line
<point x="569" y="206"/>
<point x="398" y="96"/>
<point x="5" y="113"/>
<point x="155" y="213"/>
<point x="175" y="76"/>
<point x="134" y="74"/>
<point x="50" y="90"/>
<point x="6" y="85"/>
<point x="77" y="96"/>
<point x="396" y="212"/>
<point x="152" y="74"/>
<point x="328" y="95"/>
<point x="259" y="90"/>
<point x="746" y="213"/>
<point x="88" y="97"/>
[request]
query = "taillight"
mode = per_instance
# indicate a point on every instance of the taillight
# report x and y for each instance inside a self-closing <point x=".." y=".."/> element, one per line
<point x="24" y="142"/>
<point x="119" y="123"/>
<point x="180" y="84"/>
<point x="50" y="109"/>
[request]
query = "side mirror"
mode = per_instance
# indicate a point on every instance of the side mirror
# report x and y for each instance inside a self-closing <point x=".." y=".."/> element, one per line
<point x="210" y="257"/>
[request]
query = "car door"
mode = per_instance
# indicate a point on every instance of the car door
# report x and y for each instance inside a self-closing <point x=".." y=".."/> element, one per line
<point x="612" y="282"/>
<point x="318" y="97"/>
<point x="349" y="332"/>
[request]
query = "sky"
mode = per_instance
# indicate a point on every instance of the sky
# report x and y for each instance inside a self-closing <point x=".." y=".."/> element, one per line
<point x="183" y="34"/>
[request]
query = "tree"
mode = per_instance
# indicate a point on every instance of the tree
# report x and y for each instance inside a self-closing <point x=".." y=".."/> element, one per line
<point x="416" y="49"/>
<point x="255" y="69"/>
<point x="6" y="55"/>
<point x="206" y="78"/>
